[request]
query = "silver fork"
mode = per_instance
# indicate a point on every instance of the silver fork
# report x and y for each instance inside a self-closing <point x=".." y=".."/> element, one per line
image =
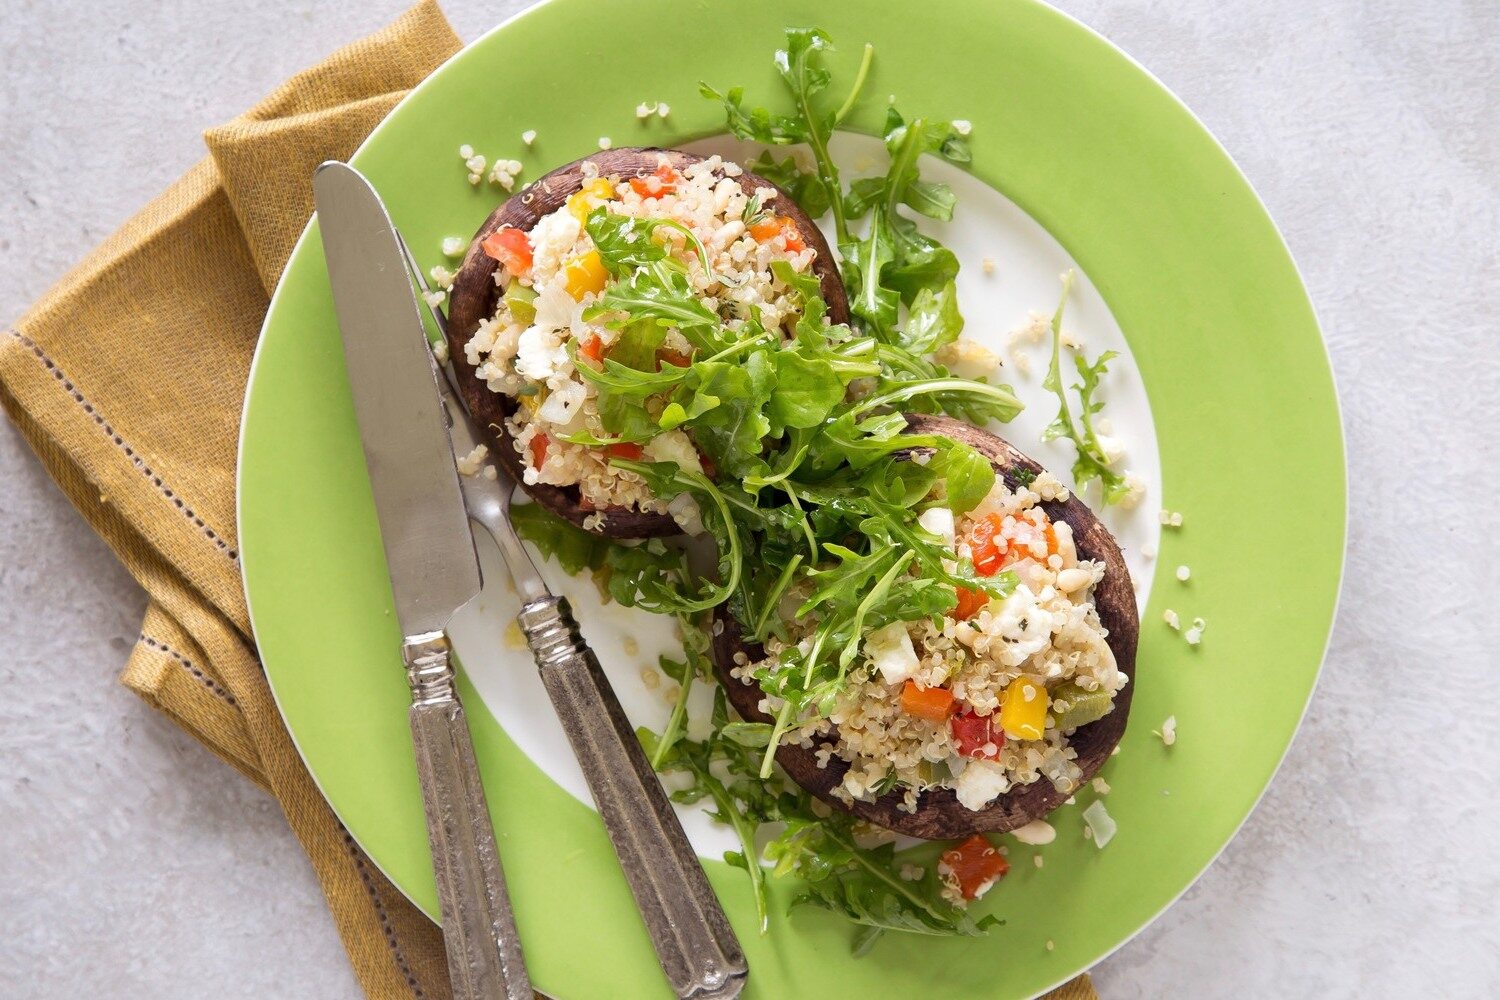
<point x="696" y="946"/>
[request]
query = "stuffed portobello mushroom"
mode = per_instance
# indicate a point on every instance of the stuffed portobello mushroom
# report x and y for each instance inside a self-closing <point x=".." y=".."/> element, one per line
<point x="536" y="313"/>
<point x="990" y="717"/>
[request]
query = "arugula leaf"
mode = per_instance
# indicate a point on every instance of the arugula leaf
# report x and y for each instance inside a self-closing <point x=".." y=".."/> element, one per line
<point x="634" y="351"/>
<point x="933" y="321"/>
<point x="574" y="549"/>
<point x="742" y="801"/>
<point x="1090" y="462"/>
<point x="806" y="188"/>
<point x="807" y="390"/>
<point x="657" y="292"/>
<point x="860" y="883"/>
<point x="968" y="474"/>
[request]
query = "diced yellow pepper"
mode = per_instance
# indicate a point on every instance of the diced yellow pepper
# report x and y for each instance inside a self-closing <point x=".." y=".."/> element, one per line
<point x="580" y="202"/>
<point x="1023" y="710"/>
<point x="583" y="274"/>
<point x="532" y="401"/>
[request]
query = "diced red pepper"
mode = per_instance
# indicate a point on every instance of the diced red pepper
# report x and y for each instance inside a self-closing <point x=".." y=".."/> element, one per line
<point x="511" y="247"/>
<point x="676" y="359"/>
<point x="663" y="181"/>
<point x="538" y="450"/>
<point x="970" y="603"/>
<point x="793" y="236"/>
<point x="592" y="348"/>
<point x="933" y="704"/>
<point x="987" y="547"/>
<point x="625" y="449"/>
<point x="766" y="230"/>
<point x="709" y="469"/>
<point x="973" y="733"/>
<point x="975" y="863"/>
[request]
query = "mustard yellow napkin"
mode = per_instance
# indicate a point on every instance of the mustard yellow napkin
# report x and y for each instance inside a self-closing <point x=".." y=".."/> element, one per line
<point x="128" y="378"/>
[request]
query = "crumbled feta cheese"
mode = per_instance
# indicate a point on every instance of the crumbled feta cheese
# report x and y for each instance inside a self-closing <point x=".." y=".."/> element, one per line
<point x="890" y="650"/>
<point x="1168" y="731"/>
<point x="688" y="515"/>
<point x="1037" y="832"/>
<point x="1183" y="573"/>
<point x="981" y="782"/>
<point x="528" y="136"/>
<point x="938" y="521"/>
<point x="968" y="358"/>
<point x="674" y="446"/>
<point x="469" y="464"/>
<point x="1170" y="617"/>
<point x="962" y="126"/>
<point x="1099" y="823"/>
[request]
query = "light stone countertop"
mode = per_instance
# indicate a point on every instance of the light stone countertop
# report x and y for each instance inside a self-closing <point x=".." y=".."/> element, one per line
<point x="133" y="864"/>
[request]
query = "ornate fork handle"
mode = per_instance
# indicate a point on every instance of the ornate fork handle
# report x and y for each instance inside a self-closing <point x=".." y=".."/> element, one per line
<point x="699" y="953"/>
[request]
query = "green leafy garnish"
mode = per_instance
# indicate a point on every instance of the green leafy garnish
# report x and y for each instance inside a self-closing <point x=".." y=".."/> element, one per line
<point x="813" y="488"/>
<point x="1091" y="462"/>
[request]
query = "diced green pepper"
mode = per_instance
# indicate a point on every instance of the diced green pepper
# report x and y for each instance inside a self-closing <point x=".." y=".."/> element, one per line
<point x="521" y="301"/>
<point x="1082" y="708"/>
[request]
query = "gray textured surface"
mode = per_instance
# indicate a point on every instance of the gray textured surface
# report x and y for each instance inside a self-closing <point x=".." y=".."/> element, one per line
<point x="136" y="865"/>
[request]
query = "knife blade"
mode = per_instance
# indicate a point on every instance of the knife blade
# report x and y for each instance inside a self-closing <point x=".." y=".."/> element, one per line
<point x="423" y="526"/>
<point x="433" y="565"/>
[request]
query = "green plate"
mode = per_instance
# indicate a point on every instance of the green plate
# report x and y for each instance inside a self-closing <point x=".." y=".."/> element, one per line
<point x="1225" y="391"/>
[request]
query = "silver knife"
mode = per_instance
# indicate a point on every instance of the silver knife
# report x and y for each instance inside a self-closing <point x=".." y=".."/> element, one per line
<point x="697" y="948"/>
<point x="434" y="569"/>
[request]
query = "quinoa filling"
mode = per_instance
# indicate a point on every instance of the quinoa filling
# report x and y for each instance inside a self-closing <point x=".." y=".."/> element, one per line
<point x="548" y="323"/>
<point x="985" y="698"/>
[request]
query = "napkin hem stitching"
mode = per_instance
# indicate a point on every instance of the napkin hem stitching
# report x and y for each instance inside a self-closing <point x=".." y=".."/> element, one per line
<point x="119" y="442"/>
<point x="385" y="920"/>
<point x="188" y="665"/>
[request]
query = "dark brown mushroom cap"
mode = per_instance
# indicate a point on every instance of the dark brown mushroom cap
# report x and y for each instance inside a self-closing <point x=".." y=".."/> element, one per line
<point x="939" y="814"/>
<point x="475" y="295"/>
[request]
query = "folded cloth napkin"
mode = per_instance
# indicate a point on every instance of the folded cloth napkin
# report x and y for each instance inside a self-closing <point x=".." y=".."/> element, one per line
<point x="128" y="379"/>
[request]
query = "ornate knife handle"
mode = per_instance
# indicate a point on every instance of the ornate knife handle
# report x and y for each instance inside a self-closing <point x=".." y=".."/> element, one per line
<point x="479" y="927"/>
<point x="697" y="948"/>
